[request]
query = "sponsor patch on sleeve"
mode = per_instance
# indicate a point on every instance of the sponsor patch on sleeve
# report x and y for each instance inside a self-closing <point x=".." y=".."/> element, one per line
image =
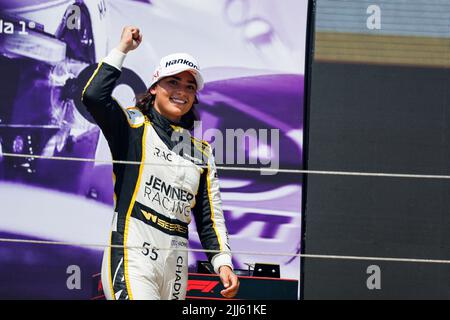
<point x="135" y="117"/>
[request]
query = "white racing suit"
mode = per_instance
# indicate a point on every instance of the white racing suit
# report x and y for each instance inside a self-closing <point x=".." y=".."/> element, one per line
<point x="153" y="202"/>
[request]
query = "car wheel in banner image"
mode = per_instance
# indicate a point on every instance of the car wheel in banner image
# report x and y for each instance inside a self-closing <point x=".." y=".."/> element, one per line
<point x="80" y="52"/>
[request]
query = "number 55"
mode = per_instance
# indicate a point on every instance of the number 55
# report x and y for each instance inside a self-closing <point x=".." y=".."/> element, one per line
<point x="146" y="251"/>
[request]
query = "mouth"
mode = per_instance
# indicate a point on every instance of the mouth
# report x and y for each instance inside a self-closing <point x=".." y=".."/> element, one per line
<point x="177" y="100"/>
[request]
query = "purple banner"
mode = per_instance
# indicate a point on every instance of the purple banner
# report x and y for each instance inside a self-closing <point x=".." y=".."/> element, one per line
<point x="252" y="55"/>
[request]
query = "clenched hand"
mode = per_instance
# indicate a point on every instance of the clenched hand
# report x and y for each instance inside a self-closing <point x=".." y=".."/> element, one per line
<point x="130" y="39"/>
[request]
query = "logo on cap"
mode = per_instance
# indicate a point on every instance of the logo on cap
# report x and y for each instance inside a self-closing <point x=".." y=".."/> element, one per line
<point x="181" y="61"/>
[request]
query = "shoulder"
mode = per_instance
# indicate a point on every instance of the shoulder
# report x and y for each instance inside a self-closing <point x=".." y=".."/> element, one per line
<point x="202" y="145"/>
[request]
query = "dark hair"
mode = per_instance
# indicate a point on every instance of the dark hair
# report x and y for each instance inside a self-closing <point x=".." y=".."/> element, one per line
<point x="145" y="101"/>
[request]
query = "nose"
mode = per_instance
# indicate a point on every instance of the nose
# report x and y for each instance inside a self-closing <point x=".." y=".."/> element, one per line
<point x="182" y="91"/>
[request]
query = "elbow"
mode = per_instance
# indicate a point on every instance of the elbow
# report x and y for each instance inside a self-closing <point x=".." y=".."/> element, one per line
<point x="92" y="99"/>
<point x="88" y="98"/>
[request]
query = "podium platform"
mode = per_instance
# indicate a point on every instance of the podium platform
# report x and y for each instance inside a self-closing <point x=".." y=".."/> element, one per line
<point x="208" y="287"/>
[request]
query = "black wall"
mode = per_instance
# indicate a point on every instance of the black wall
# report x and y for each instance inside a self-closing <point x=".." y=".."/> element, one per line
<point x="377" y="119"/>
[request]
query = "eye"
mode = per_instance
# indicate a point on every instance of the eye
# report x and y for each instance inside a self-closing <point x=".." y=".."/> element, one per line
<point x="172" y="82"/>
<point x="191" y="87"/>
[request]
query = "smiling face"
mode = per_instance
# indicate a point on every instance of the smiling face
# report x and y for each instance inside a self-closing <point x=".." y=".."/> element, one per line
<point x="175" y="95"/>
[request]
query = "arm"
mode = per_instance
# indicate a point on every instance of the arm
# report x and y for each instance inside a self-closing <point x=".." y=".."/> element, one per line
<point x="211" y="226"/>
<point x="96" y="95"/>
<point x="97" y="98"/>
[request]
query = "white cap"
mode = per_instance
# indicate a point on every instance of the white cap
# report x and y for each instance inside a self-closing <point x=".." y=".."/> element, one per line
<point x="176" y="63"/>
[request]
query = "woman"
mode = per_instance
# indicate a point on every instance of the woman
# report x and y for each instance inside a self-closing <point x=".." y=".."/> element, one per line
<point x="153" y="202"/>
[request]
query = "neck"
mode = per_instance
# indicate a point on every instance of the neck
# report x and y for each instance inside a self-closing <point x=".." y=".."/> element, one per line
<point x="167" y="116"/>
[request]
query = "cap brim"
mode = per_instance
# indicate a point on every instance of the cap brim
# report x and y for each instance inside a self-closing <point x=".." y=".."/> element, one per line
<point x="195" y="73"/>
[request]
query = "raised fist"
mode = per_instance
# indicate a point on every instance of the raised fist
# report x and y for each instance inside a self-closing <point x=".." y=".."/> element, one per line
<point x="130" y="39"/>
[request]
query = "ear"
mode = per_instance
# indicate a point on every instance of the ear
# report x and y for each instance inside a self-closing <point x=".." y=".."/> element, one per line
<point x="152" y="89"/>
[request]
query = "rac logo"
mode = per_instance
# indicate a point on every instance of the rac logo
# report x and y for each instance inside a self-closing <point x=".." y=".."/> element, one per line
<point x="202" y="285"/>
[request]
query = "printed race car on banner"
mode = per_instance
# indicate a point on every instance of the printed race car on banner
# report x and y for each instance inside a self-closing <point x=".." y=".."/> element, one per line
<point x="253" y="65"/>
